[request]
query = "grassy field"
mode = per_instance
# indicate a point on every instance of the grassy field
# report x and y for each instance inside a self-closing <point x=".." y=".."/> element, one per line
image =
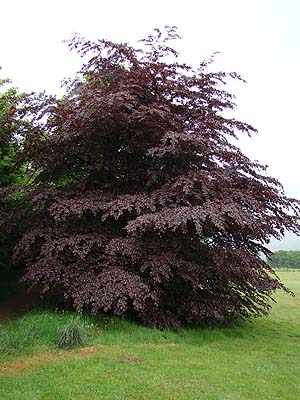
<point x="257" y="360"/>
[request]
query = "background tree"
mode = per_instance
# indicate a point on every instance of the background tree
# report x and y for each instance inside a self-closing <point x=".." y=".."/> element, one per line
<point x="19" y="114"/>
<point x="10" y="172"/>
<point x="143" y="206"/>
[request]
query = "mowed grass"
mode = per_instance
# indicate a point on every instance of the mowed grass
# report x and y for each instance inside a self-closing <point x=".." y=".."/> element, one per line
<point x="255" y="360"/>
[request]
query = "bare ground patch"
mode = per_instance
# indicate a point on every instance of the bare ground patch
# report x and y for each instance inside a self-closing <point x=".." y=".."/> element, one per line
<point x="131" y="359"/>
<point x="41" y="359"/>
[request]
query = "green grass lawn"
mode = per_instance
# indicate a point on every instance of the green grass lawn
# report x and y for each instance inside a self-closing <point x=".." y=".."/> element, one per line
<point x="259" y="359"/>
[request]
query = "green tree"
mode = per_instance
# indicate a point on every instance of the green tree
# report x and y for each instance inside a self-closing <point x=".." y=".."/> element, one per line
<point x="10" y="170"/>
<point x="14" y="124"/>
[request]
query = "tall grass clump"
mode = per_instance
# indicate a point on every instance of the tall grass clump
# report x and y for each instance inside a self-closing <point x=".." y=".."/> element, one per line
<point x="71" y="334"/>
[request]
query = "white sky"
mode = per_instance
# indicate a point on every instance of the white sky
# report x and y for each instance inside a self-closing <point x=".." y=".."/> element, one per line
<point x="257" y="38"/>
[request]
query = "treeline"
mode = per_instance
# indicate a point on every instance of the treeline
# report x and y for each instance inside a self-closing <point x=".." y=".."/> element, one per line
<point x="285" y="259"/>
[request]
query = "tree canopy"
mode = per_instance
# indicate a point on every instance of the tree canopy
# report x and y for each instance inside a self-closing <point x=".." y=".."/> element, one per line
<point x="140" y="204"/>
<point x="10" y="172"/>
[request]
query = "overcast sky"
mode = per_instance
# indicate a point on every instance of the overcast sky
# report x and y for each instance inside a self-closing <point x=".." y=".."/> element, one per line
<point x="260" y="39"/>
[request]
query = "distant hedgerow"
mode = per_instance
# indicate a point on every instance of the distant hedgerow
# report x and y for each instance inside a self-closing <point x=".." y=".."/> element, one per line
<point x="285" y="259"/>
<point x="141" y="205"/>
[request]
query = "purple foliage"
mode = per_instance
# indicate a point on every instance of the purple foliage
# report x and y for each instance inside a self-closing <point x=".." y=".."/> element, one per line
<point x="142" y="205"/>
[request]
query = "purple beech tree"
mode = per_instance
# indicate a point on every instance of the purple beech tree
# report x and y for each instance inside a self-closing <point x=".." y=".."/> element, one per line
<point x="141" y="205"/>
